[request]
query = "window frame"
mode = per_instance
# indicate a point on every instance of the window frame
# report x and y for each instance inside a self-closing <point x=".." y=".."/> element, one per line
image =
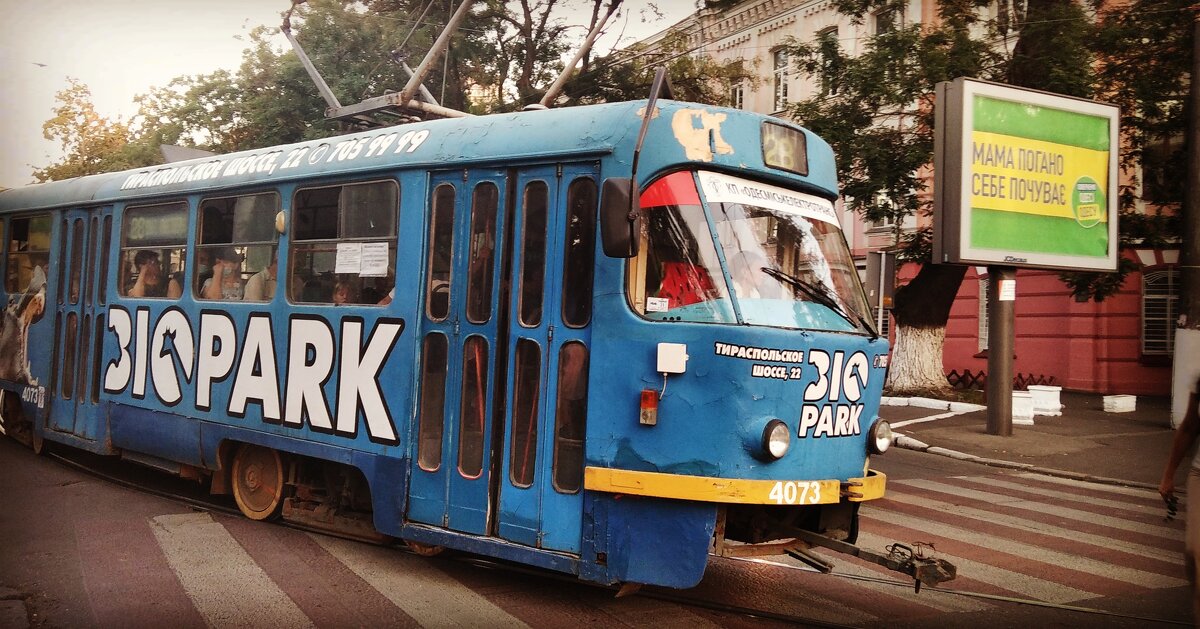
<point x="296" y="245"/>
<point x="1169" y="276"/>
<point x="181" y="247"/>
<point x="9" y="286"/>
<point x="242" y="247"/>
<point x="780" y="77"/>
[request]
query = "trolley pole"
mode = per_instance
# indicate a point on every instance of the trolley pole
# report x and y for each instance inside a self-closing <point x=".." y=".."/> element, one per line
<point x="1002" y="289"/>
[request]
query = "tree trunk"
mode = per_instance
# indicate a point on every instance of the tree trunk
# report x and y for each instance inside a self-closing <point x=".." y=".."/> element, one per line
<point x="921" y="310"/>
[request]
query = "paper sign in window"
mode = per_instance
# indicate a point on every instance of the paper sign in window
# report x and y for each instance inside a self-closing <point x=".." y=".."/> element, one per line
<point x="374" y="259"/>
<point x="349" y="258"/>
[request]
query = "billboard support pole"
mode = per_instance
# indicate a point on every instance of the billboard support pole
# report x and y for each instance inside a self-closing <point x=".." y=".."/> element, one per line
<point x="1001" y="294"/>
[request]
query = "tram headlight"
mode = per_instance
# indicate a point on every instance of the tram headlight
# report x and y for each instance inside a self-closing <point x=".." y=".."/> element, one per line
<point x="880" y="437"/>
<point x="776" y="439"/>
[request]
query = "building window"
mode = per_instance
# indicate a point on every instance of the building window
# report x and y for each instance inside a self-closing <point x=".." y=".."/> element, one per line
<point x="1160" y="294"/>
<point x="827" y="43"/>
<point x="886" y="21"/>
<point x="781" y="79"/>
<point x="737" y="96"/>
<point x="984" y="283"/>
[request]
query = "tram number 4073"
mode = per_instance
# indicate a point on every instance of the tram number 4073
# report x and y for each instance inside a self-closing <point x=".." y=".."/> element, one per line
<point x="796" y="493"/>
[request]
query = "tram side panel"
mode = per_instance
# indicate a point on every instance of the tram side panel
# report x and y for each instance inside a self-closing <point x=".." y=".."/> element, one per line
<point x="28" y="319"/>
<point x="189" y="377"/>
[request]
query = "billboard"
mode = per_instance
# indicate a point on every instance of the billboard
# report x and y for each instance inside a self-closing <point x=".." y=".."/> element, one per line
<point x="1024" y="178"/>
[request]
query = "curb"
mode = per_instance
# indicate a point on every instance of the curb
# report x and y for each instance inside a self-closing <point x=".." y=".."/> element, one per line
<point x="908" y="443"/>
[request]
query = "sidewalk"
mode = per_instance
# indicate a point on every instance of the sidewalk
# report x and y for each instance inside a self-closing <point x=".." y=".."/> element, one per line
<point x="1085" y="442"/>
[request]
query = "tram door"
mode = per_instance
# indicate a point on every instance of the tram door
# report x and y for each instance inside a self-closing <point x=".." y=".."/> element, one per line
<point x="504" y="358"/>
<point x="540" y="500"/>
<point x="84" y="236"/>
<point x="452" y="464"/>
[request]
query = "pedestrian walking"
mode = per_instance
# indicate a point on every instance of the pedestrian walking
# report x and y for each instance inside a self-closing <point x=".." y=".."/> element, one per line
<point x="1185" y="436"/>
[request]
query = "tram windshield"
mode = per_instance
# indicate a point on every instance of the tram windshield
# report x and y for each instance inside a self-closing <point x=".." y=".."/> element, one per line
<point x="774" y="256"/>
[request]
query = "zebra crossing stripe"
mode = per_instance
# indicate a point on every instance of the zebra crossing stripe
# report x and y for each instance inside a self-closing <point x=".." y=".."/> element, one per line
<point x="1028" y="551"/>
<point x="1123" y="505"/>
<point x="1133" y="492"/>
<point x="1041" y="507"/>
<point x="1033" y="526"/>
<point x="430" y="596"/>
<point x="1023" y="584"/>
<point x="224" y="583"/>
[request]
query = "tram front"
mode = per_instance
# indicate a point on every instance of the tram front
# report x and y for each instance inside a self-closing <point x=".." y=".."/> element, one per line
<point x="744" y="377"/>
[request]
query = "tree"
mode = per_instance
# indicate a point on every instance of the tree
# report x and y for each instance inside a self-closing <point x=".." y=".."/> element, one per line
<point x="91" y="143"/>
<point x="629" y="73"/>
<point x="1145" y="50"/>
<point x="880" y="122"/>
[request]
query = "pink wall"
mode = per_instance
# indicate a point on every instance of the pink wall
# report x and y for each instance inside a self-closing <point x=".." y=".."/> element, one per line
<point x="1089" y="346"/>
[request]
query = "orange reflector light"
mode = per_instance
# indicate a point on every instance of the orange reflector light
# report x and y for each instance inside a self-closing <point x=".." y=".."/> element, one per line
<point x="649" y="408"/>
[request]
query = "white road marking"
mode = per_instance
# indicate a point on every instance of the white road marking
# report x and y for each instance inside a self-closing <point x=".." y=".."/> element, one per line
<point x="1034" y="526"/>
<point x="1050" y="493"/>
<point x="1131" y="576"/>
<point x="1055" y="510"/>
<point x="225" y="584"/>
<point x="430" y="596"/>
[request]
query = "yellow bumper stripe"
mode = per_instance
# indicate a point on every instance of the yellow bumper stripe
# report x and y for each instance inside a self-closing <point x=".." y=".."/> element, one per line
<point x="731" y="490"/>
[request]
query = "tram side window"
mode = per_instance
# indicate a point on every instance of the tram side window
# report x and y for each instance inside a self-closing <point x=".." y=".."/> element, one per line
<point x="28" y="254"/>
<point x="533" y="253"/>
<point x="153" y="248"/>
<point x="344" y="243"/>
<point x="569" y="415"/>
<point x="579" y="252"/>
<point x="441" y="245"/>
<point x="527" y="384"/>
<point x="482" y="261"/>
<point x="236" y="256"/>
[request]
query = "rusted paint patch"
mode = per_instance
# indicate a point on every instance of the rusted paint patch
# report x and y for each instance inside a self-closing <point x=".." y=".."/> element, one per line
<point x="699" y="133"/>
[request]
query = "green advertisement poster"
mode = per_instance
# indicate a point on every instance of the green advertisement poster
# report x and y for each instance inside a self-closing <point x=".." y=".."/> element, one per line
<point x="1024" y="178"/>
<point x="1039" y="178"/>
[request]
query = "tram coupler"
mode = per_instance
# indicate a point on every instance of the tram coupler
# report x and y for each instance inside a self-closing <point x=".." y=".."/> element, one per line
<point x="900" y="557"/>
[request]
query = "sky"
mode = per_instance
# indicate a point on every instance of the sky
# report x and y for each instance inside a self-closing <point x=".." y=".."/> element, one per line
<point x="122" y="48"/>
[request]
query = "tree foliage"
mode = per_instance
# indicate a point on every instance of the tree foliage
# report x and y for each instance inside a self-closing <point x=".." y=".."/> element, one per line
<point x="629" y="74"/>
<point x="501" y="57"/>
<point x="91" y="143"/>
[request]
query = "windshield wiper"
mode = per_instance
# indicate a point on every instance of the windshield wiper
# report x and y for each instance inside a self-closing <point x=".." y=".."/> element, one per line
<point x="821" y="294"/>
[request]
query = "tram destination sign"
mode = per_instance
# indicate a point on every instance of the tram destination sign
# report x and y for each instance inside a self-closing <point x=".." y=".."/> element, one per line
<point x="1024" y="178"/>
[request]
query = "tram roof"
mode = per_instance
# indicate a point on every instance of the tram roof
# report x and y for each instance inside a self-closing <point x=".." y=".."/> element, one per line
<point x="495" y="140"/>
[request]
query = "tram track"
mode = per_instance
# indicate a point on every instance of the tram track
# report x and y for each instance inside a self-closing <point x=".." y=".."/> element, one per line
<point x="677" y="597"/>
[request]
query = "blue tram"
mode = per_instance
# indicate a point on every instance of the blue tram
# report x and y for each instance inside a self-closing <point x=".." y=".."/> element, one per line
<point x="534" y="336"/>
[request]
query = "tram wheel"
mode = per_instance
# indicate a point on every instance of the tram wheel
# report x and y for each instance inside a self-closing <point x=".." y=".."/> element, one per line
<point x="257" y="481"/>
